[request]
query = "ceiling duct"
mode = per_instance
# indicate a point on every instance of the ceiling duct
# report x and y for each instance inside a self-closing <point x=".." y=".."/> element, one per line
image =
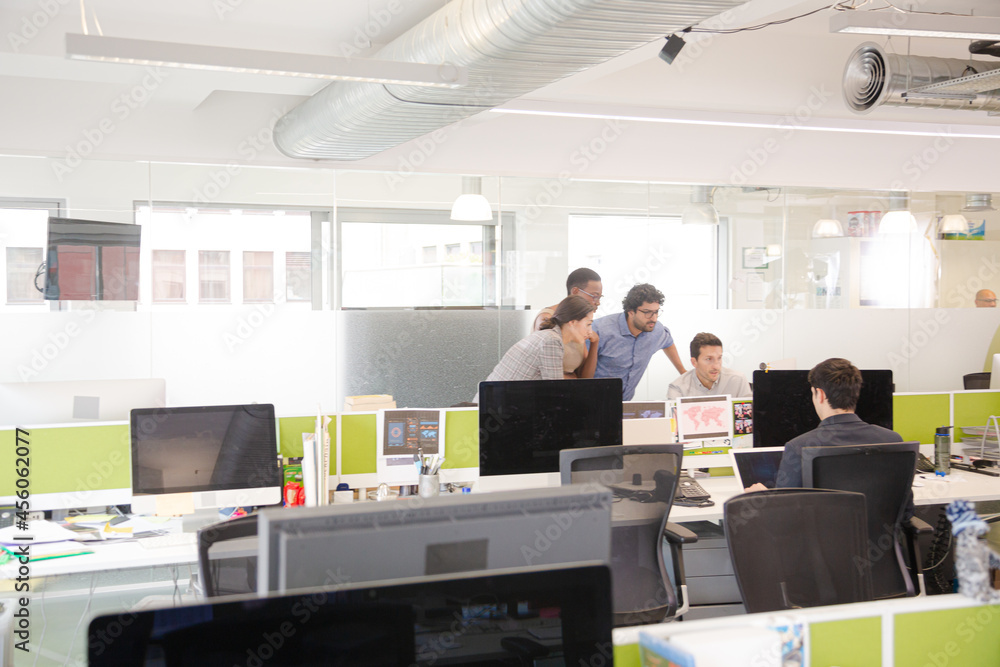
<point x="509" y="47"/>
<point x="874" y="77"/>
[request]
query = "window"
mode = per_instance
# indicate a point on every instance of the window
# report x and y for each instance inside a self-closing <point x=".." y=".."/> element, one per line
<point x="298" y="276"/>
<point x="391" y="260"/>
<point x="168" y="276"/>
<point x="22" y="265"/>
<point x="213" y="276"/>
<point x="679" y="260"/>
<point x="258" y="277"/>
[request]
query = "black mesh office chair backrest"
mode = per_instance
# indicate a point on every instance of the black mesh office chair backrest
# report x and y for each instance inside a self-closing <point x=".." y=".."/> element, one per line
<point x="884" y="474"/>
<point x="625" y="469"/>
<point x="797" y="548"/>
<point x="229" y="575"/>
<point x="644" y="481"/>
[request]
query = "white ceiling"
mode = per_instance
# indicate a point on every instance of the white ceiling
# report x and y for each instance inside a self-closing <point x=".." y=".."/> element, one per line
<point x="51" y="104"/>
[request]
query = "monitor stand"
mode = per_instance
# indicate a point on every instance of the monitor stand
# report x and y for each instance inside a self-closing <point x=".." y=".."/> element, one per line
<point x="199" y="519"/>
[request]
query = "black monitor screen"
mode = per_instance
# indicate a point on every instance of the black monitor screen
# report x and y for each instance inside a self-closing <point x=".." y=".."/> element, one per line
<point x="557" y="616"/>
<point x="205" y="448"/>
<point x="523" y="424"/>
<point x="783" y="408"/>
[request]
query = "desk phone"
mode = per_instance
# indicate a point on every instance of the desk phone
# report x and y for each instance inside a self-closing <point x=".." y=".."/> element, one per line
<point x="688" y="489"/>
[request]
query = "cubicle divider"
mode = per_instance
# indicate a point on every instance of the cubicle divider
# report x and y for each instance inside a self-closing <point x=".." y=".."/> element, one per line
<point x="935" y="630"/>
<point x="92" y="462"/>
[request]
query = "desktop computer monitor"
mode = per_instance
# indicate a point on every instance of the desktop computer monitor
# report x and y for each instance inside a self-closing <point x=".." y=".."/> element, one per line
<point x="523" y="424"/>
<point x="499" y="618"/>
<point x="190" y="458"/>
<point x="783" y="408"/>
<point x="347" y="544"/>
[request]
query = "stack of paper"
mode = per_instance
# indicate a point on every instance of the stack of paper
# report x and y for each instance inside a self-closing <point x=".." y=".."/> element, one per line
<point x="974" y="446"/>
<point x="369" y="403"/>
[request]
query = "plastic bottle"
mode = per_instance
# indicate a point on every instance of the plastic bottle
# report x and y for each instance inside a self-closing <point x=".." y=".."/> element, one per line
<point x="942" y="450"/>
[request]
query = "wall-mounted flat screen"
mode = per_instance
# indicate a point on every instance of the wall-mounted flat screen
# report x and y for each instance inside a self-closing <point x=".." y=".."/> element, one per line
<point x="87" y="260"/>
<point x="783" y="408"/>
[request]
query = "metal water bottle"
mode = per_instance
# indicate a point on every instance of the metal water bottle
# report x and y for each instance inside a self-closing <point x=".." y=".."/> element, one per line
<point x="942" y="450"/>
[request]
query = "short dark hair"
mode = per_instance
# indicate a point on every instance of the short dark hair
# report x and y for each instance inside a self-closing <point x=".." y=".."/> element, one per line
<point x="840" y="380"/>
<point x="703" y="340"/>
<point x="580" y="278"/>
<point x="640" y="294"/>
<point x="569" y="309"/>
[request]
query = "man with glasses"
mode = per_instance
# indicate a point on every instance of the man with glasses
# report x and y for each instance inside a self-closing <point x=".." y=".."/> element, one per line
<point x="629" y="339"/>
<point x="986" y="299"/>
<point x="582" y="282"/>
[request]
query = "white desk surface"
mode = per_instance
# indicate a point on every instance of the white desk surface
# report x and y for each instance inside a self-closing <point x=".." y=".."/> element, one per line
<point x="959" y="484"/>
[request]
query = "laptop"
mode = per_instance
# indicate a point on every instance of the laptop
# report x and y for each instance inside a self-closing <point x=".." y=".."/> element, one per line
<point x="756" y="464"/>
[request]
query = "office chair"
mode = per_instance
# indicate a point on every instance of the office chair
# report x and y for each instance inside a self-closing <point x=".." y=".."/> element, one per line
<point x="795" y="548"/>
<point x="976" y="380"/>
<point x="884" y="474"/>
<point x="644" y="481"/>
<point x="229" y="575"/>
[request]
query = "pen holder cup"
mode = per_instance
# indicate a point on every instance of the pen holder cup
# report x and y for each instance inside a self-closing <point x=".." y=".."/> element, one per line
<point x="430" y="486"/>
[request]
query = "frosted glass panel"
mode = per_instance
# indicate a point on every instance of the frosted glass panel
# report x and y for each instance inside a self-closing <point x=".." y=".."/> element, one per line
<point x="424" y="358"/>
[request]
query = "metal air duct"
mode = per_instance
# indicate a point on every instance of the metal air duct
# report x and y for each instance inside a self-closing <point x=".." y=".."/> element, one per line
<point x="874" y="77"/>
<point x="510" y="48"/>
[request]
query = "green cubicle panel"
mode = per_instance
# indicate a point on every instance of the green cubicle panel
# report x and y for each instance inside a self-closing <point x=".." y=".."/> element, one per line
<point x="461" y="439"/>
<point x="358" y="434"/>
<point x="917" y="416"/>
<point x="290" y="430"/>
<point x="70" y="459"/>
<point x="964" y="637"/>
<point x="975" y="408"/>
<point x="854" y="642"/>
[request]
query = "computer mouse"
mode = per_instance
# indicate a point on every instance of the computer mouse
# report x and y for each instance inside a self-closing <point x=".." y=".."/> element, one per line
<point x="523" y="647"/>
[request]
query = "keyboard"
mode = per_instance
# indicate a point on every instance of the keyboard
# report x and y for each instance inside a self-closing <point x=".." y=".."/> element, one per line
<point x="169" y="540"/>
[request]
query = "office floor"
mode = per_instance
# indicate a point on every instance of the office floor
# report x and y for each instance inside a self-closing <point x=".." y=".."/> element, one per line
<point x="62" y="606"/>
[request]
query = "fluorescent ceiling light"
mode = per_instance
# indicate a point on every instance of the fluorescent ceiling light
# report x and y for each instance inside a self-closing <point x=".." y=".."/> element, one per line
<point x="247" y="61"/>
<point x="915" y="25"/>
<point x="728" y="119"/>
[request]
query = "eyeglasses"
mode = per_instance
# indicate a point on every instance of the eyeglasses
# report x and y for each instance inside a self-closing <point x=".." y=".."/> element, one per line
<point x="649" y="313"/>
<point x="595" y="297"/>
<point x="981" y="300"/>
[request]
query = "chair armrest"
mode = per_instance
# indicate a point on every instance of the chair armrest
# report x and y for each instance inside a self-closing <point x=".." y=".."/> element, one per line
<point x="916" y="526"/>
<point x="678" y="534"/>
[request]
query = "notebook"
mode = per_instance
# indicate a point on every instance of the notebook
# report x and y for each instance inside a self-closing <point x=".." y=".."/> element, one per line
<point x="756" y="464"/>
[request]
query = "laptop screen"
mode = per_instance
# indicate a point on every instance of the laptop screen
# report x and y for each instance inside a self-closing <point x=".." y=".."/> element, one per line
<point x="758" y="464"/>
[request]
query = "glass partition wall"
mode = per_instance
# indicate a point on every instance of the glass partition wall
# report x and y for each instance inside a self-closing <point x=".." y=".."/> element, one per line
<point x="300" y="286"/>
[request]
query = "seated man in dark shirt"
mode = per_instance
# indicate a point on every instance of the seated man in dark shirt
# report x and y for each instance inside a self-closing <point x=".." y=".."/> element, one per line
<point x="836" y="385"/>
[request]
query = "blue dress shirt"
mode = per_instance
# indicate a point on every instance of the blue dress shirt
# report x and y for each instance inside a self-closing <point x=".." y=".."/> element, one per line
<point x="622" y="355"/>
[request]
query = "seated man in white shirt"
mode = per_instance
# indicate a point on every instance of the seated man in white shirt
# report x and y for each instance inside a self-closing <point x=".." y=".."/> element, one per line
<point x="708" y="378"/>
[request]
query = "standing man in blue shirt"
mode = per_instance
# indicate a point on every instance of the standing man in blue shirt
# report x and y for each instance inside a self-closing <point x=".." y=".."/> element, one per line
<point x="629" y="339"/>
